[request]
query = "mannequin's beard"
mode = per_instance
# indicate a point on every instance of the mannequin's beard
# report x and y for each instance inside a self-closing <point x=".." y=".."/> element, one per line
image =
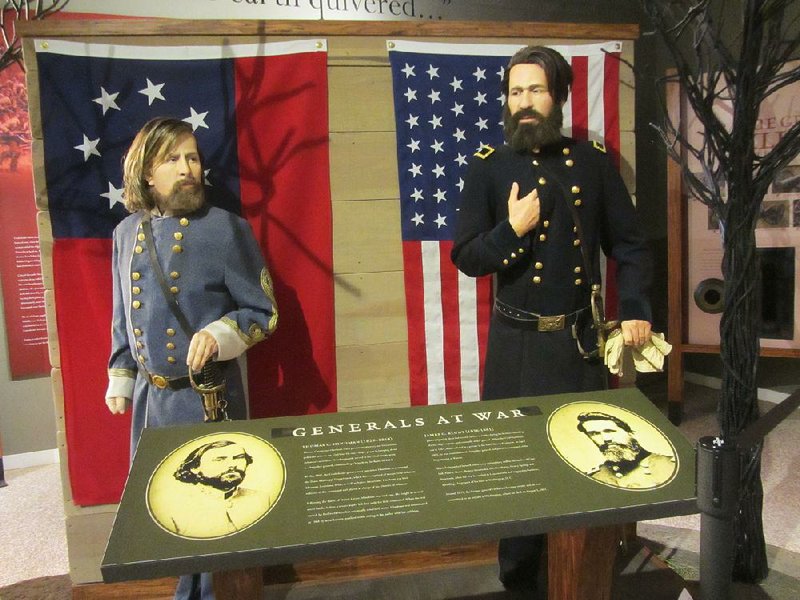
<point x="524" y="137"/>
<point x="182" y="200"/>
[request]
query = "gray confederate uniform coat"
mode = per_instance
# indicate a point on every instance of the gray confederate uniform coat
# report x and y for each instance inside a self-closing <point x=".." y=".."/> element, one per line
<point x="217" y="274"/>
<point x="544" y="272"/>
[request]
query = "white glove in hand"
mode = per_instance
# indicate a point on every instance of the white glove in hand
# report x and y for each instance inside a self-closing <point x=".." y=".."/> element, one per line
<point x="647" y="358"/>
<point x="117" y="404"/>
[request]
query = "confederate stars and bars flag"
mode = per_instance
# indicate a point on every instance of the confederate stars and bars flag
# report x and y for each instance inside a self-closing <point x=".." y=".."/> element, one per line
<point x="260" y="115"/>
<point x="448" y="104"/>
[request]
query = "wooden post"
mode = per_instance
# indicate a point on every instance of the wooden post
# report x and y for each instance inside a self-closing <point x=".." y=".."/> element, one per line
<point x="241" y="584"/>
<point x="580" y="563"/>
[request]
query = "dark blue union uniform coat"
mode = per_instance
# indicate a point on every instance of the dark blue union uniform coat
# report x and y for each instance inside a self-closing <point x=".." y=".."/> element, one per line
<point x="544" y="272"/>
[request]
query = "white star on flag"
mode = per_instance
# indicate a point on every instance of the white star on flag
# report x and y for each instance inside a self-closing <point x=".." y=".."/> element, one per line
<point x="456" y="84"/>
<point x="458" y="109"/>
<point x="432" y="71"/>
<point x="441" y="221"/>
<point x="196" y="119"/>
<point x="437" y="146"/>
<point x="414" y="145"/>
<point x="415" y="170"/>
<point x="438" y="170"/>
<point x="479" y="74"/>
<point x="417" y="195"/>
<point x="114" y="195"/>
<point x="418" y="220"/>
<point x="153" y="92"/>
<point x="107" y="100"/>
<point x="409" y="71"/>
<point x="412" y="121"/>
<point x="440" y="195"/>
<point x="88" y="147"/>
<point x="480" y="98"/>
<point x="434" y="96"/>
<point x="410" y="94"/>
<point x="436" y="121"/>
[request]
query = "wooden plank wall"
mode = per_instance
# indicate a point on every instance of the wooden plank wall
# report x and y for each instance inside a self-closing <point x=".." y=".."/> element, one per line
<point x="371" y="335"/>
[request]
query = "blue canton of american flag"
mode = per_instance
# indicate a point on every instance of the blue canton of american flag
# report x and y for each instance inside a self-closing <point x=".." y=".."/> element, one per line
<point x="446" y="108"/>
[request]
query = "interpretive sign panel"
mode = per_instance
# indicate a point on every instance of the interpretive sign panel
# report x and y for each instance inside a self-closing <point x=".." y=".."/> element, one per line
<point x="241" y="494"/>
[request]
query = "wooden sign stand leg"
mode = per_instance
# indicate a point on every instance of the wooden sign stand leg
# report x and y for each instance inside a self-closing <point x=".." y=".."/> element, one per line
<point x="580" y="563"/>
<point x="240" y="584"/>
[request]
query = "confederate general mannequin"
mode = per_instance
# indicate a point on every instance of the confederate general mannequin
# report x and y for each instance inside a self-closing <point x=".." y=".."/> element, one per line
<point x="207" y="261"/>
<point x="535" y="213"/>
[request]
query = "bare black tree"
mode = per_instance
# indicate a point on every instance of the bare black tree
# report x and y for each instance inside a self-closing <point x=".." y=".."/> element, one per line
<point x="737" y="72"/>
<point x="11" y="13"/>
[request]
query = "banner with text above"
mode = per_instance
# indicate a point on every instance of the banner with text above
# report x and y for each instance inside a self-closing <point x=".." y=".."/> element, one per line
<point x="448" y="103"/>
<point x="333" y="10"/>
<point x="260" y="116"/>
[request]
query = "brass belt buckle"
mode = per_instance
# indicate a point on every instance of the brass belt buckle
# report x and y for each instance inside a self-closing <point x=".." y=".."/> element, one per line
<point x="160" y="381"/>
<point x="554" y="323"/>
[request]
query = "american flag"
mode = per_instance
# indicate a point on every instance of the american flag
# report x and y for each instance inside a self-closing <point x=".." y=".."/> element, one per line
<point x="248" y="105"/>
<point x="448" y="103"/>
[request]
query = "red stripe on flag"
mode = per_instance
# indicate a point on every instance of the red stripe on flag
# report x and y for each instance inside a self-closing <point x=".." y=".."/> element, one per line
<point x="415" y="314"/>
<point x="451" y="324"/>
<point x="612" y="142"/>
<point x="580" y="97"/>
<point x="282" y="127"/>
<point x="611" y="106"/>
<point x="97" y="440"/>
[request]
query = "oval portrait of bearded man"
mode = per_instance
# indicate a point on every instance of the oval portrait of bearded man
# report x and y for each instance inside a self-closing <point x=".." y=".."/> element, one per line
<point x="612" y="446"/>
<point x="216" y="485"/>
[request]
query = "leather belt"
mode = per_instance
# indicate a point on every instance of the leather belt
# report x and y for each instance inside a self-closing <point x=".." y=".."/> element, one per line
<point x="523" y="319"/>
<point x="167" y="383"/>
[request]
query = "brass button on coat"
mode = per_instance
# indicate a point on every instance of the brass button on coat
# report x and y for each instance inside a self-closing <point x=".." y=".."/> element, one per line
<point x="138" y="249"/>
<point x="136" y="304"/>
<point x="537" y="279"/>
<point x="184" y="221"/>
<point x="569" y="162"/>
<point x="136" y="276"/>
<point x="170" y="332"/>
<point x="177" y="248"/>
<point x="140" y="237"/>
<point x="178" y="235"/>
<point x="170" y="346"/>
<point x="171" y="360"/>
<point x="175" y="275"/>
<point x="542" y="238"/>
<point x="576" y="189"/>
<point x="542" y="181"/>
<point x="174" y="289"/>
<point x="539" y="265"/>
